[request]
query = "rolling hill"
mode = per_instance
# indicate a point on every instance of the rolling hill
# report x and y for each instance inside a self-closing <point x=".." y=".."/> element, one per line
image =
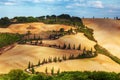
<point x="107" y="33"/>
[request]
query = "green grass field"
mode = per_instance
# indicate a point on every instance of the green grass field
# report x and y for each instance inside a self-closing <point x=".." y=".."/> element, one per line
<point x="8" y="39"/>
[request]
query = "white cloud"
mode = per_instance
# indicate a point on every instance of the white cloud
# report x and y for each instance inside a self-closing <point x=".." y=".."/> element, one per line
<point x="96" y="4"/>
<point x="9" y="3"/>
<point x="82" y="3"/>
<point x="38" y="1"/>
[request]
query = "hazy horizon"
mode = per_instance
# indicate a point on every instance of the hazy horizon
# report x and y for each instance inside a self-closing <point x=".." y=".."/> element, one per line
<point x="86" y="8"/>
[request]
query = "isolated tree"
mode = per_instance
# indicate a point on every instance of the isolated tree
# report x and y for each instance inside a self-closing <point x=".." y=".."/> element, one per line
<point x="69" y="47"/>
<point x="52" y="71"/>
<point x="46" y="70"/>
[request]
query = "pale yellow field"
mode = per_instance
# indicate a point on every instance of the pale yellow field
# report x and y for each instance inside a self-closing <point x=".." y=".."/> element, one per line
<point x="107" y="33"/>
<point x="36" y="27"/>
<point x="99" y="63"/>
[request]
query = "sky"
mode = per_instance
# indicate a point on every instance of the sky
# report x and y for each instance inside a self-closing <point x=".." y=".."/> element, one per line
<point x="86" y="8"/>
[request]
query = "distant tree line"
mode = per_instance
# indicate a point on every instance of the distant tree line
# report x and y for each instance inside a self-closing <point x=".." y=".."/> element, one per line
<point x="49" y="19"/>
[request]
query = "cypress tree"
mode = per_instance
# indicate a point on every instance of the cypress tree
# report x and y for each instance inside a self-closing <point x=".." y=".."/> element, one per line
<point x="69" y="46"/>
<point x="33" y="70"/>
<point x="79" y="47"/>
<point x="64" y="57"/>
<point x="64" y="46"/>
<point x="52" y="71"/>
<point x="29" y="65"/>
<point x="46" y="70"/>
<point x="49" y="59"/>
<point x="39" y="63"/>
<point x="58" y="72"/>
<point x="55" y="59"/>
<point x="74" y="46"/>
<point x="46" y="61"/>
<point x="43" y="62"/>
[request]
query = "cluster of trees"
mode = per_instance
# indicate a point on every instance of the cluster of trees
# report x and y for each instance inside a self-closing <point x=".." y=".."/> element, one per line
<point x="4" y="22"/>
<point x="76" y="75"/>
<point x="35" y="40"/>
<point x="116" y="18"/>
<point x="8" y="39"/>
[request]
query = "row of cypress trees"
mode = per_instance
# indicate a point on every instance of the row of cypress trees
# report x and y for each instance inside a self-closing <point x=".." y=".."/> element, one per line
<point x="85" y="54"/>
